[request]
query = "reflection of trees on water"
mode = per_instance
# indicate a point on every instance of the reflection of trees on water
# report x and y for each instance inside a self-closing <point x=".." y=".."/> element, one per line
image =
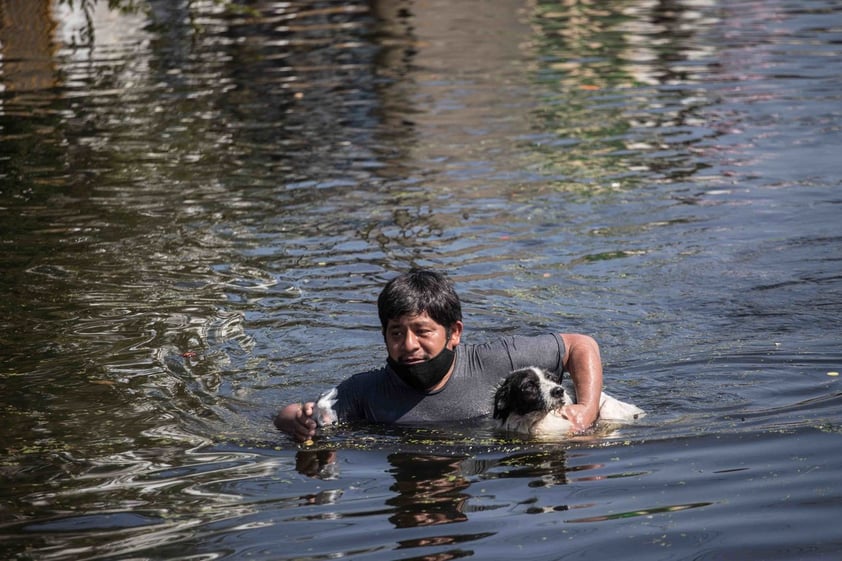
<point x="331" y="108"/>
<point x="328" y="108"/>
<point x="85" y="35"/>
<point x="604" y="66"/>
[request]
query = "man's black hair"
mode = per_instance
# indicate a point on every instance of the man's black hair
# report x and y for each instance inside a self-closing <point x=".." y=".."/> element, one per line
<point x="416" y="292"/>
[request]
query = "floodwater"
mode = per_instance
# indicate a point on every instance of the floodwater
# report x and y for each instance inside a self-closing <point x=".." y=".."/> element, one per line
<point x="200" y="200"/>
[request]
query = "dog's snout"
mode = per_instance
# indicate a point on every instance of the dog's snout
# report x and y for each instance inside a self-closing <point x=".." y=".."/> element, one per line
<point x="557" y="392"/>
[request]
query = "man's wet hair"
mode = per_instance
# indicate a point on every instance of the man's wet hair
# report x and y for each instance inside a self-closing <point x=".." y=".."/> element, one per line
<point x="416" y="292"/>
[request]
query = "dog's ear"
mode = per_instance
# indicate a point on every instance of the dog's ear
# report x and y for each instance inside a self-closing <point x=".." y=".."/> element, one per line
<point x="501" y="401"/>
<point x="553" y="376"/>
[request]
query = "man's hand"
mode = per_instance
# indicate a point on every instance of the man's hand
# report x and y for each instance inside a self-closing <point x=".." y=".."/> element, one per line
<point x="297" y="421"/>
<point x="580" y="415"/>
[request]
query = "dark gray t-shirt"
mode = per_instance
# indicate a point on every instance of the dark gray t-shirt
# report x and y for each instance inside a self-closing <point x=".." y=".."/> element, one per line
<point x="380" y="396"/>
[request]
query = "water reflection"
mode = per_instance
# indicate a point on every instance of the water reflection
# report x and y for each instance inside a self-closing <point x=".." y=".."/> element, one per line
<point x="430" y="490"/>
<point x="144" y="499"/>
<point x="648" y="56"/>
<point x="318" y="463"/>
<point x="26" y="48"/>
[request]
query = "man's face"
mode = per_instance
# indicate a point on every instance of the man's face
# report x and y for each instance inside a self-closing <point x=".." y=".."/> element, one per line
<point x="418" y="338"/>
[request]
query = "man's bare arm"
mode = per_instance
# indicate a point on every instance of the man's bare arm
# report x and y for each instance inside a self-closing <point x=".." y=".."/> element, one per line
<point x="582" y="360"/>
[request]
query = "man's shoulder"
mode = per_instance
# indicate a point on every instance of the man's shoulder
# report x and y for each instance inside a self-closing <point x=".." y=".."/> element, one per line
<point x="366" y="376"/>
<point x="502" y="354"/>
<point x="362" y="385"/>
<point x="504" y="342"/>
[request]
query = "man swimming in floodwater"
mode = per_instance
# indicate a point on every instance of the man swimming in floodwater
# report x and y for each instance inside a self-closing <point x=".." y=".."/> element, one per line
<point x="429" y="376"/>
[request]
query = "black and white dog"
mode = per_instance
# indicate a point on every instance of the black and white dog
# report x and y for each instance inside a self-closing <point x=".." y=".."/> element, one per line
<point x="529" y="401"/>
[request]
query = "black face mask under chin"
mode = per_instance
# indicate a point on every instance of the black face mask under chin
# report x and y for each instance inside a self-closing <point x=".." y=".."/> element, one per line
<point x="424" y="375"/>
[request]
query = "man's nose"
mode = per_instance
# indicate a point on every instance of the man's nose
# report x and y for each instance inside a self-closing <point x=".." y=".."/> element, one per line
<point x="410" y="341"/>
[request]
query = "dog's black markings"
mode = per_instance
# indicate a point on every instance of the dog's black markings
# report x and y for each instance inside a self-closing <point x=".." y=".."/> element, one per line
<point x="527" y="391"/>
<point x="529" y="401"/>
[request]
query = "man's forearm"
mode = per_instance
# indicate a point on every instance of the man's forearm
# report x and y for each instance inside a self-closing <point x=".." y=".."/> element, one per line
<point x="583" y="362"/>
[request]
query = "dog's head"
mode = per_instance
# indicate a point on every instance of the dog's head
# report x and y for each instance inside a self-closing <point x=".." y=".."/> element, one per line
<point x="528" y="390"/>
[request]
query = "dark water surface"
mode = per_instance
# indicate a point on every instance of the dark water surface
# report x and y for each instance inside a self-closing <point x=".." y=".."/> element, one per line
<point x="200" y="200"/>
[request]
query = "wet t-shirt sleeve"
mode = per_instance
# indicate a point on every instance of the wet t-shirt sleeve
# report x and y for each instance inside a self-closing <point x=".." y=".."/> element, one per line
<point x="376" y="396"/>
<point x="496" y="359"/>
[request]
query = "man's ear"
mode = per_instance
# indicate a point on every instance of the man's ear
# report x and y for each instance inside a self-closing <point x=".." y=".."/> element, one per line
<point x="455" y="334"/>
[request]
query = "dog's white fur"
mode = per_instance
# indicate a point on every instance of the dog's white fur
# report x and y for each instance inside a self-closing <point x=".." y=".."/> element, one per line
<point x="323" y="412"/>
<point x="529" y="401"/>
